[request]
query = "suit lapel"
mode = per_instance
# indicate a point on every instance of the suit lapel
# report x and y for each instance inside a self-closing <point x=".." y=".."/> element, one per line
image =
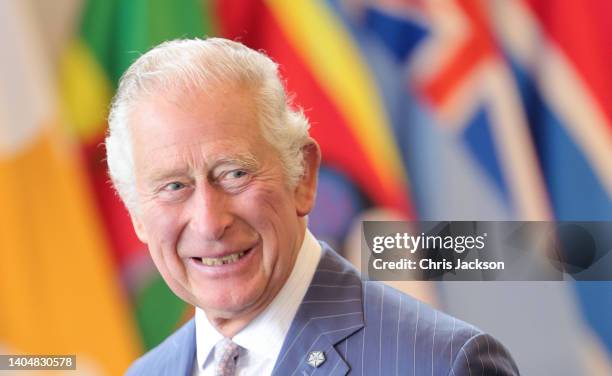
<point x="180" y="354"/>
<point x="331" y="311"/>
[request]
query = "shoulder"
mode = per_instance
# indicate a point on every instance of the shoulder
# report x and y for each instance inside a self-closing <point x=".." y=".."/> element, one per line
<point x="402" y="333"/>
<point x="174" y="352"/>
<point x="433" y="339"/>
<point x="382" y="302"/>
<point x="388" y="310"/>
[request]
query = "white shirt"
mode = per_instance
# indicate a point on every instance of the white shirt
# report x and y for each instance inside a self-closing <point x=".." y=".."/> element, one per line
<point x="261" y="340"/>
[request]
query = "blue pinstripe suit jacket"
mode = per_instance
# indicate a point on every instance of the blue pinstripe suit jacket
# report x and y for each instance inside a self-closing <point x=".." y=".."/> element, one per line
<point x="363" y="328"/>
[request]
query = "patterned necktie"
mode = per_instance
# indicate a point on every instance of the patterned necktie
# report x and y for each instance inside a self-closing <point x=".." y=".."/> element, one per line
<point x="226" y="363"/>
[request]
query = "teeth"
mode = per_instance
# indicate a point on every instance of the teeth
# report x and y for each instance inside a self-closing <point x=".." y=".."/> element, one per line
<point x="216" y="261"/>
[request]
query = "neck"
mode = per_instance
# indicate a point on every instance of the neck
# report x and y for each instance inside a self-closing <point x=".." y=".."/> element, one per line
<point x="229" y="327"/>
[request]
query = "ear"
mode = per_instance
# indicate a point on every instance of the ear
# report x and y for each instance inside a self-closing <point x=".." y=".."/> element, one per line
<point x="139" y="228"/>
<point x="306" y="189"/>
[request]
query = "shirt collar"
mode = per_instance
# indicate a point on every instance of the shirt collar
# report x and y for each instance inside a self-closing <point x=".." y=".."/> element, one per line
<point x="264" y="336"/>
<point x="206" y="337"/>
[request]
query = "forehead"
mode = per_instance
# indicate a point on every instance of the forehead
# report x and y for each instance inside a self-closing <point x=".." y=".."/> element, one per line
<point x="180" y="125"/>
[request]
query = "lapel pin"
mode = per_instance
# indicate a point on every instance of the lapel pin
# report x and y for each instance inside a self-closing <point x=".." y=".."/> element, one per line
<point x="316" y="358"/>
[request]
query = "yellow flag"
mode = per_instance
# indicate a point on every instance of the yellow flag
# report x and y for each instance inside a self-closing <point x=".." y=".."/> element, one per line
<point x="59" y="290"/>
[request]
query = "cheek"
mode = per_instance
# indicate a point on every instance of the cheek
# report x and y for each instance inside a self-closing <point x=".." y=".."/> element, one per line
<point x="163" y="226"/>
<point x="266" y="209"/>
<point x="271" y="212"/>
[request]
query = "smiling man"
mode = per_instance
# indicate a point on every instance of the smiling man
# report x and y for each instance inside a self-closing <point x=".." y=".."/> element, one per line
<point x="219" y="174"/>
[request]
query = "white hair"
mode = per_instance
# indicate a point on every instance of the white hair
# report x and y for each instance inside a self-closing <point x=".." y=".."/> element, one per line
<point x="196" y="65"/>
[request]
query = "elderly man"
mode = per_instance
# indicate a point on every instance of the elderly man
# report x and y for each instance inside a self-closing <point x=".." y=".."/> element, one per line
<point x="219" y="174"/>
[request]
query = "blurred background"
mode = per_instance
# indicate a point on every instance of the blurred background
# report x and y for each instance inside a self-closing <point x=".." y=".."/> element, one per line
<point x="433" y="110"/>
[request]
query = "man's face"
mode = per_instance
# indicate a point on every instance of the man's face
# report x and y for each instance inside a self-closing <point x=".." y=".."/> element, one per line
<point x="222" y="225"/>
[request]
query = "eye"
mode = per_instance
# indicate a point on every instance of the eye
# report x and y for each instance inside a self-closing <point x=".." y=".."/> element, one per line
<point x="174" y="186"/>
<point x="234" y="180"/>
<point x="237" y="174"/>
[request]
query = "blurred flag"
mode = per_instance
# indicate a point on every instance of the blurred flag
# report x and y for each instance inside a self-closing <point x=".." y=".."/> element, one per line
<point x="112" y="34"/>
<point x="455" y="107"/>
<point x="560" y="58"/>
<point x="58" y="288"/>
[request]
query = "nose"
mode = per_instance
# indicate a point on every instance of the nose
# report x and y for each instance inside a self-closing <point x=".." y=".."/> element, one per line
<point x="210" y="217"/>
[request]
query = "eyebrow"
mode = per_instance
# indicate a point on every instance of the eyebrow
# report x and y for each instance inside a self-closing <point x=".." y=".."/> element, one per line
<point x="244" y="160"/>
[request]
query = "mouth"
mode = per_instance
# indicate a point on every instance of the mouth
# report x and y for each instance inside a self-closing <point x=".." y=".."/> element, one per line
<point x="224" y="260"/>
